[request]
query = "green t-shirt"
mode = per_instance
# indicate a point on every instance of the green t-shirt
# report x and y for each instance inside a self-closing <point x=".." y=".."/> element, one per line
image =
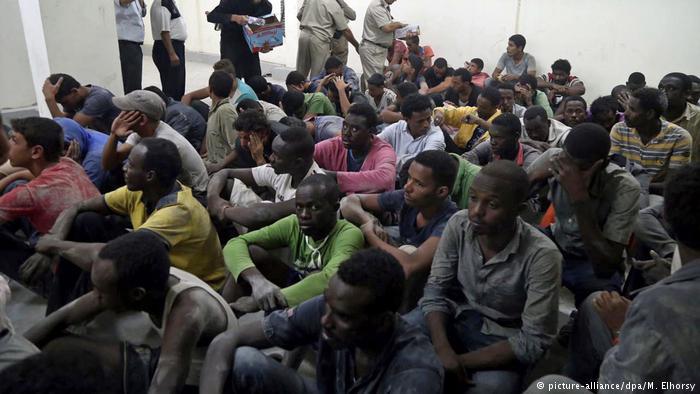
<point x="342" y="242"/>
<point x="541" y="100"/>
<point x="319" y="104"/>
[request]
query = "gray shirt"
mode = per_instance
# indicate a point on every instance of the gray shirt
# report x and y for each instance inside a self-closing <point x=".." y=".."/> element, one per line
<point x="378" y="15"/>
<point x="482" y="155"/>
<point x="407" y="147"/>
<point x="507" y="64"/>
<point x="517" y="291"/>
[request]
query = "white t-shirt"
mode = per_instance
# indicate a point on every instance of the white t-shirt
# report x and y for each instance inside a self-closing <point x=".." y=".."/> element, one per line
<point x="194" y="173"/>
<point x="129" y="20"/>
<point x="264" y="175"/>
<point x="165" y="16"/>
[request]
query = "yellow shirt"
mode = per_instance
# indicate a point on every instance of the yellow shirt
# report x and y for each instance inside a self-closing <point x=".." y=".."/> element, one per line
<point x="454" y="116"/>
<point x="184" y="224"/>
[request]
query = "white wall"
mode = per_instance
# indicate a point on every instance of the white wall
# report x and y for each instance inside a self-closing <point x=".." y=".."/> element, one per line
<point x="16" y="89"/>
<point x="605" y="40"/>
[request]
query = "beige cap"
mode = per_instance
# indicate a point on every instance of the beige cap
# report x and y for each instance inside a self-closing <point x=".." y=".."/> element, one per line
<point x="148" y="103"/>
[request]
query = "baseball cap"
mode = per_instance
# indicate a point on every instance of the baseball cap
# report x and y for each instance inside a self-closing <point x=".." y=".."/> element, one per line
<point x="148" y="103"/>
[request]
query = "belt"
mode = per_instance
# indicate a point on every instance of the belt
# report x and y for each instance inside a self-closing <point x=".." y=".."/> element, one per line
<point x="379" y="45"/>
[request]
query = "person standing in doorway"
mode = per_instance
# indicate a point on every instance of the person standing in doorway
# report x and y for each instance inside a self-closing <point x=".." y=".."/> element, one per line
<point x="130" y="32"/>
<point x="169" y="35"/>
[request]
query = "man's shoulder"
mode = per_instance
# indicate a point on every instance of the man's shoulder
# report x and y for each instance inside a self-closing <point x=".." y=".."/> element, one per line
<point x="674" y="131"/>
<point x="393" y="129"/>
<point x="534" y="241"/>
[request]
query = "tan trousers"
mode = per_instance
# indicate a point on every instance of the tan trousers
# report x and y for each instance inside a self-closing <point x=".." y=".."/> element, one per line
<point x="312" y="53"/>
<point x="373" y="58"/>
<point x="339" y="49"/>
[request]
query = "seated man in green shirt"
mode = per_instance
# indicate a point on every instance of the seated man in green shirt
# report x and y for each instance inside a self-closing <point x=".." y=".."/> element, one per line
<point x="527" y="95"/>
<point x="318" y="243"/>
<point x="306" y="105"/>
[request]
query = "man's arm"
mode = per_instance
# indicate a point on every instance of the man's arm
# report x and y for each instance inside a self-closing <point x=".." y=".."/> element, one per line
<point x="113" y="154"/>
<point x="347" y="10"/>
<point x="392" y="27"/>
<point x="50" y="90"/>
<point x="418" y="261"/>
<point x="168" y="44"/>
<point x="261" y="214"/>
<point x="355" y="206"/>
<point x="63" y="223"/>
<point x="78" y="253"/>
<point x="389" y="116"/>
<point x="441" y="87"/>
<point x="379" y="179"/>
<point x="347" y="33"/>
<point x="199" y="94"/>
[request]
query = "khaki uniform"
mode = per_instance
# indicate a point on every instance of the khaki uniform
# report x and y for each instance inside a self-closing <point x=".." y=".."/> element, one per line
<point x="320" y="19"/>
<point x="339" y="46"/>
<point x="375" y="42"/>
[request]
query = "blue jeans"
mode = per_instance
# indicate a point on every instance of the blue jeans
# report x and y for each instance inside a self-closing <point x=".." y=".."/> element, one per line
<point x="464" y="334"/>
<point x="577" y="275"/>
<point x="255" y="373"/>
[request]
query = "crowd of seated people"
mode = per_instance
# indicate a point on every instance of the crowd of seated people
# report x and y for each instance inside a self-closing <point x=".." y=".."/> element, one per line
<point x="410" y="227"/>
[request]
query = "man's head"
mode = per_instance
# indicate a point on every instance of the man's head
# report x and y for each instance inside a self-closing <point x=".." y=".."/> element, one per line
<point x="645" y="106"/>
<point x="252" y="122"/>
<point x="636" y="81"/>
<point x="403" y="90"/>
<point x="516" y="45"/>
<point x="440" y="67"/>
<point x="131" y="269"/>
<point x="574" y="110"/>
<point x="413" y="44"/>
<point x="152" y="164"/>
<point x="226" y="66"/>
<point x="292" y="151"/>
<point x="220" y="85"/>
<point x="496" y="197"/>
<point x="586" y="144"/>
<point x="461" y="79"/>
<point x="359" y="126"/>
<point x="681" y="208"/>
<point x="475" y="66"/>
<point x="35" y="140"/>
<point x="536" y="123"/>
<point x="317" y="202"/>
<point x="417" y="110"/>
<point x="618" y="92"/>
<point x="561" y="69"/>
<point x="527" y="81"/>
<point x="431" y="176"/>
<point x="505" y="133"/>
<point x="68" y="94"/>
<point x="604" y="111"/>
<point x="362" y="300"/>
<point x="334" y="66"/>
<point x="677" y="87"/>
<point x="375" y="85"/>
<point x="159" y="92"/>
<point x="149" y="104"/>
<point x="293" y="103"/>
<point x="333" y="94"/>
<point x="411" y="65"/>
<point x="296" y="81"/>
<point x="249" y="105"/>
<point x="694" y="96"/>
<point x="507" y="91"/>
<point x="488" y="102"/>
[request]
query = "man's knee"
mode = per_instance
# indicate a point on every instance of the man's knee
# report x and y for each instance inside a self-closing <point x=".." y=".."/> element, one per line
<point x="84" y="225"/>
<point x="248" y="366"/>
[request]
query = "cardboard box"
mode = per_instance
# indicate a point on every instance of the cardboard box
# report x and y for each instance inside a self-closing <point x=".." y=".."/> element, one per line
<point x="271" y="33"/>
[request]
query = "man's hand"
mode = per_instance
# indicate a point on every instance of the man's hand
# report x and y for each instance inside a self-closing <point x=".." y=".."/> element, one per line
<point x="471" y="118"/>
<point x="623" y="98"/>
<point x="574" y="180"/>
<point x="257" y="149"/>
<point x="266" y="48"/>
<point x="340" y="83"/>
<point x="50" y="90"/>
<point x="34" y="268"/>
<point x="509" y="77"/>
<point x="217" y="206"/>
<point x="73" y="151"/>
<point x="328" y="78"/>
<point x="455" y="374"/>
<point x="244" y="305"/>
<point x="268" y="296"/>
<point x="438" y="118"/>
<point x="655" y="269"/>
<point x="123" y="124"/>
<point x="375" y="228"/>
<point x="174" y="60"/>
<point x="240" y="19"/>
<point x="612" y="308"/>
<point x="212" y="167"/>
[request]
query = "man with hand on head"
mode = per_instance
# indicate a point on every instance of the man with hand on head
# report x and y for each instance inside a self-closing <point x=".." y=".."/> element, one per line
<point x="503" y="144"/>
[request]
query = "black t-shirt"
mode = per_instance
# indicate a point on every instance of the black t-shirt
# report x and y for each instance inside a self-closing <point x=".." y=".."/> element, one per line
<point x="452" y="95"/>
<point x="433" y="79"/>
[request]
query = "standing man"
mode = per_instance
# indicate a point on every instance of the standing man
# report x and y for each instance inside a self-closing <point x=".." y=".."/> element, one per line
<point x="339" y="45"/>
<point x="130" y="32"/>
<point x="377" y="37"/>
<point x="169" y="35"/>
<point x="320" y="21"/>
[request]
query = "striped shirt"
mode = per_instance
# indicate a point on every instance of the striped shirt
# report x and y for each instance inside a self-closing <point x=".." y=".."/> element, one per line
<point x="669" y="149"/>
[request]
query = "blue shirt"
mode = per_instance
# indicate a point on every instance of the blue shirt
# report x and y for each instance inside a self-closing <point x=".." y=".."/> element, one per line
<point x="91" y="143"/>
<point x="243" y="92"/>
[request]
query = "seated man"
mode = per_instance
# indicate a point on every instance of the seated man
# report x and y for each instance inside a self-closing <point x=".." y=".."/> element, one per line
<point x="392" y="113"/>
<point x="527" y="94"/>
<point x="560" y="83"/>
<point x="133" y="273"/>
<point x="272" y="112"/>
<point x="638" y="342"/>
<point x="85" y="147"/>
<point x="411" y="72"/>
<point x="183" y="118"/>
<point x="492" y="297"/>
<point x="503" y="144"/>
<point x="541" y="132"/>
<point x="596" y="208"/>
<point x="268" y="92"/>
<point x="153" y="201"/>
<point x="423" y="207"/>
<point x="438" y="76"/>
<point x="340" y="95"/>
<point x="574" y="111"/>
<point x="508" y="104"/>
<point x="89" y="105"/>
<point x="515" y="62"/>
<point x="363" y="344"/>
<point x="462" y="93"/>
<point x="318" y="244"/>
<point x="322" y="128"/>
<point x="358" y="160"/>
<point x="378" y="96"/>
<point x="694" y="96"/>
<point x="604" y="112"/>
<point x="239" y="91"/>
<point x="677" y="87"/>
<point x="473" y="122"/>
<point x="636" y="81"/>
<point x="649" y="141"/>
<point x="253" y="147"/>
<point x="291" y="161"/>
<point x="476" y="67"/>
<point x="415" y="134"/>
<point x="37" y="145"/>
<point x="297" y="81"/>
<point x="425" y="53"/>
<point x="306" y="105"/>
<point x="140" y="118"/>
<point x="334" y="67"/>
<point x="221" y="134"/>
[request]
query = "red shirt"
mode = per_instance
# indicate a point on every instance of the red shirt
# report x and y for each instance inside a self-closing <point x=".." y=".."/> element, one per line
<point x="46" y="196"/>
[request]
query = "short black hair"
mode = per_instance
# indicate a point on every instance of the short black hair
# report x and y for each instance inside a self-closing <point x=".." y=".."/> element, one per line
<point x="492" y="95"/>
<point x="479" y="63"/>
<point x="681" y="208"/>
<point x="300" y="142"/>
<point x="415" y="102"/>
<point x="292" y="102"/>
<point x="528" y="79"/>
<point x="509" y="122"/>
<point x="463" y="74"/>
<point x="162" y="157"/>
<point x="366" y="111"/>
<point x="686" y="82"/>
<point x="295" y="78"/>
<point x="440" y="62"/>
<point x="376" y="79"/>
<point x="226" y="66"/>
<point x="258" y="83"/>
<point x="562" y="65"/>
<point x="651" y="99"/>
<point x="518" y="40"/>
<point x="507" y="86"/>
<point x="332" y="62"/>
<point x="618" y="89"/>
<point x="140" y="259"/>
<point x="512" y="174"/>
<point x="637" y="78"/>
<point x="43" y="132"/>
<point x="69" y="83"/>
<point x="249" y="104"/>
<point x="416" y="62"/>
<point x="569" y="99"/>
<point x="588" y="141"/>
<point x="331" y="190"/>
<point x="405" y="89"/>
<point x="157" y="91"/>
<point x="292" y="121"/>
<point x="604" y="104"/>
<point x="221" y="83"/>
<point x="444" y="168"/>
<point x="380" y="273"/>
<point x="534" y="112"/>
<point x="251" y="120"/>
<point x="694" y="79"/>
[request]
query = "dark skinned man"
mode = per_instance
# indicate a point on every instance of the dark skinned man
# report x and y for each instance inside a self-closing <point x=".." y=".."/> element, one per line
<point x="678" y="88"/>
